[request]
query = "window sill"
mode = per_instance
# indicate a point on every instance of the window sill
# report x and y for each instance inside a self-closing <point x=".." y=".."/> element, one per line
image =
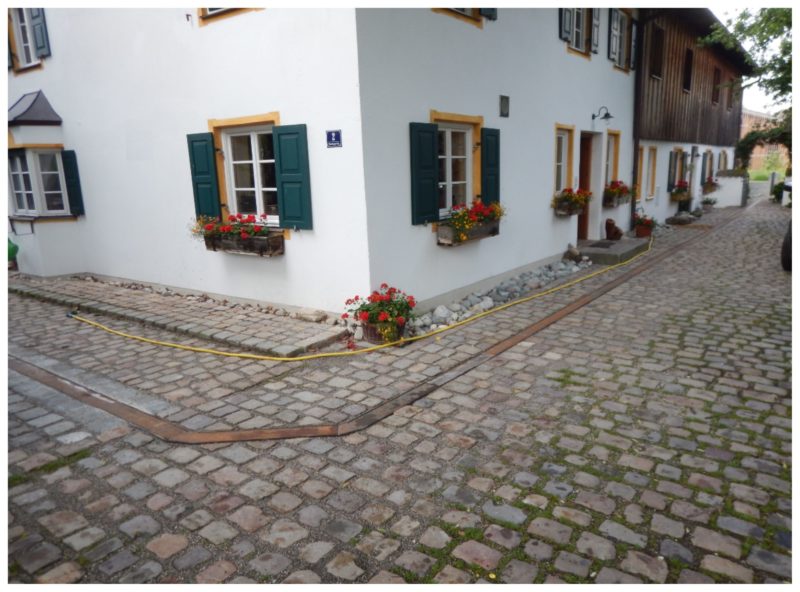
<point x="446" y="235"/>
<point x="28" y="68"/>
<point x="584" y="54"/>
<point x="271" y="245"/>
<point x="43" y="218"/>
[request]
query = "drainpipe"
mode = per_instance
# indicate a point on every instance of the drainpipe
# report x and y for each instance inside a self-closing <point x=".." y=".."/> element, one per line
<point x="644" y="17"/>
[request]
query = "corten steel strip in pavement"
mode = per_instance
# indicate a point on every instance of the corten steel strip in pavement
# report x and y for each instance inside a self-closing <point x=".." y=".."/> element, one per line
<point x="175" y="433"/>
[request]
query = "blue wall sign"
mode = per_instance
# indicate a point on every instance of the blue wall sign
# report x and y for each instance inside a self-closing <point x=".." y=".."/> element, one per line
<point x="334" y="138"/>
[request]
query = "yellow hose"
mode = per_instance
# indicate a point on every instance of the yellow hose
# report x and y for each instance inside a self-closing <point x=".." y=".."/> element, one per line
<point x="366" y="349"/>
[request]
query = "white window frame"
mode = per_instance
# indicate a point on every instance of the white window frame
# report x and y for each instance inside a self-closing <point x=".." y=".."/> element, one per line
<point x="271" y="220"/>
<point x="21" y="18"/>
<point x="447" y="182"/>
<point x="578" y="39"/>
<point x="622" y="40"/>
<point x="562" y="160"/>
<point x="31" y="158"/>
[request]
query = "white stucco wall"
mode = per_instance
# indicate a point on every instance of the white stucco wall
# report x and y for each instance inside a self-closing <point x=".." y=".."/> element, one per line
<point x="131" y="84"/>
<point x="414" y="60"/>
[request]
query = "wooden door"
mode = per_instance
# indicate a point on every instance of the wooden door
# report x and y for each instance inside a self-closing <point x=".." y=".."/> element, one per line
<point x="585" y="182"/>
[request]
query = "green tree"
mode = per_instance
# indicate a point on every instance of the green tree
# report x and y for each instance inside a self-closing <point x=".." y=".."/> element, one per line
<point x="766" y="34"/>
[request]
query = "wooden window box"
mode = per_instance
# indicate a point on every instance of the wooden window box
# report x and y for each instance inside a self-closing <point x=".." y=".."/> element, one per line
<point x="446" y="235"/>
<point x="261" y="246"/>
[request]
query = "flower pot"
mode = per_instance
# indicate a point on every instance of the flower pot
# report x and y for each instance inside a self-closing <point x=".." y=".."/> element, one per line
<point x="678" y="197"/>
<point x="446" y="235"/>
<point x="643" y="231"/>
<point x="262" y="246"/>
<point x="379" y="333"/>
<point x="611" y="201"/>
<point x="566" y="211"/>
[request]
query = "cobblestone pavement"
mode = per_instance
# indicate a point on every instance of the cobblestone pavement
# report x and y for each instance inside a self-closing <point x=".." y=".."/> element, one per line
<point x="216" y="320"/>
<point x="646" y="437"/>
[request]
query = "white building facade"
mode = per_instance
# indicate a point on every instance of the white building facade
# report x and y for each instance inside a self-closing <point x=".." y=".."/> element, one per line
<point x="113" y="187"/>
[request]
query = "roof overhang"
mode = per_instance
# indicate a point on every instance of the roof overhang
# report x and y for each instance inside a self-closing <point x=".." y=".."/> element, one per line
<point x="32" y="109"/>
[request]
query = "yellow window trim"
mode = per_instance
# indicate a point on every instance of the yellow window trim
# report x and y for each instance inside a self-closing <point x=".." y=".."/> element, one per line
<point x="640" y="174"/>
<point x="206" y="19"/>
<point x="216" y="127"/>
<point x="615" y="168"/>
<point x="34" y="146"/>
<point x="652" y="156"/>
<point x="476" y="21"/>
<point x="584" y="54"/>
<point x="570" y="129"/>
<point x="476" y="121"/>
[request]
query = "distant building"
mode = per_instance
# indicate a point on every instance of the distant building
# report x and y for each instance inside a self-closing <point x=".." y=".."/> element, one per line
<point x="752" y="120"/>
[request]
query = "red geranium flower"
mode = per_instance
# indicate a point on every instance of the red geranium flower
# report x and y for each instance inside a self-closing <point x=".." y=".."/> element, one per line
<point x="400" y="321"/>
<point x="209" y="227"/>
<point x="383" y="316"/>
<point x="363" y="316"/>
<point x="257" y="228"/>
<point x="345" y="316"/>
<point x="231" y="218"/>
<point x="244" y="234"/>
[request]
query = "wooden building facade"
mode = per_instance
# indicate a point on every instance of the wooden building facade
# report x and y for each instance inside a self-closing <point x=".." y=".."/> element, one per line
<point x="689" y="92"/>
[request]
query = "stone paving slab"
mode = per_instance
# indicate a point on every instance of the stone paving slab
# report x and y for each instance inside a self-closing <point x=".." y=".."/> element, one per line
<point x="661" y="411"/>
<point x="242" y="326"/>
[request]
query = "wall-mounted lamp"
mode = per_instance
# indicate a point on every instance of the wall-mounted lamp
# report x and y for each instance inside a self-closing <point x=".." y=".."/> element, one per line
<point x="504" y="105"/>
<point x="605" y="117"/>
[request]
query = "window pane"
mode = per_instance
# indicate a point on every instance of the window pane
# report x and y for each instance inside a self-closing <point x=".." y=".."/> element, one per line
<point x="459" y="194"/>
<point x="20" y="200"/>
<point x="442" y="169"/>
<point x="268" y="175"/>
<point x="27" y="180"/>
<point x="17" y="181"/>
<point x="442" y="196"/>
<point x="31" y="204"/>
<point x="47" y="163"/>
<point x="559" y="174"/>
<point x="243" y="176"/>
<point x="23" y="164"/>
<point x="270" y="200"/>
<point x="459" y="169"/>
<point x="442" y="143"/>
<point x="54" y="201"/>
<point x="266" y="150"/>
<point x="51" y="182"/>
<point x="246" y="202"/>
<point x="241" y="148"/>
<point x="459" y="143"/>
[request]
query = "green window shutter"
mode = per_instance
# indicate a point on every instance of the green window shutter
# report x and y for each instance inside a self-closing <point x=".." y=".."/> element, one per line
<point x="424" y="172"/>
<point x="73" y="182"/>
<point x="704" y="168"/>
<point x="293" y="176"/>
<point x="565" y="23"/>
<point x="489" y="14"/>
<point x="490" y="165"/>
<point x="204" y="174"/>
<point x="684" y="166"/>
<point x="39" y="28"/>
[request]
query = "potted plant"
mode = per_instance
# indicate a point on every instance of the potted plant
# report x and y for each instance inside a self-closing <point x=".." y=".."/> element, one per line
<point x="246" y="235"/>
<point x="680" y="192"/>
<point x="383" y="314"/>
<point x="569" y="202"/>
<point x="470" y="223"/>
<point x="615" y="193"/>
<point x="643" y="225"/>
<point x="708" y="203"/>
<point x="710" y="185"/>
